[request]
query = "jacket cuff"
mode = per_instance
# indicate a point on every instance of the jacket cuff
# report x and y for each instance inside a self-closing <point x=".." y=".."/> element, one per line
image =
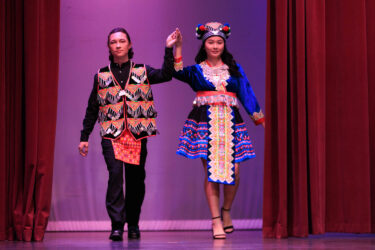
<point x="260" y="121"/>
<point x="84" y="138"/>
<point x="168" y="51"/>
<point x="258" y="117"/>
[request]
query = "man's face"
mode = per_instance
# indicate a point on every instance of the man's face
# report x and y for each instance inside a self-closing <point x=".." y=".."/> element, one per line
<point x="119" y="45"/>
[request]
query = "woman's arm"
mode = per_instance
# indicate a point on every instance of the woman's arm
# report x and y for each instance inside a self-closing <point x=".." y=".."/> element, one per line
<point x="178" y="45"/>
<point x="181" y="73"/>
<point x="247" y="97"/>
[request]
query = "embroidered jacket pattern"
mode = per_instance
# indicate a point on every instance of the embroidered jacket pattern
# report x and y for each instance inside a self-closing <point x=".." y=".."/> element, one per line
<point x="131" y="108"/>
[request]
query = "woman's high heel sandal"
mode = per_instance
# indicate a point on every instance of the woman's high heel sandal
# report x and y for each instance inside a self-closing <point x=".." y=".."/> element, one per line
<point x="227" y="229"/>
<point x="217" y="236"/>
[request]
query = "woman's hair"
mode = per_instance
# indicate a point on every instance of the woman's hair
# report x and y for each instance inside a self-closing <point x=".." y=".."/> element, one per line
<point x="115" y="30"/>
<point x="226" y="57"/>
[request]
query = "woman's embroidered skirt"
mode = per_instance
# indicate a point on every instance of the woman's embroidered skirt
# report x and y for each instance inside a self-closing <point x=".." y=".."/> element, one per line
<point x="218" y="134"/>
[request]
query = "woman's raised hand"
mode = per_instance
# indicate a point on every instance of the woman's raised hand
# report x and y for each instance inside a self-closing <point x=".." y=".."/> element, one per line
<point x="174" y="38"/>
<point x="178" y="38"/>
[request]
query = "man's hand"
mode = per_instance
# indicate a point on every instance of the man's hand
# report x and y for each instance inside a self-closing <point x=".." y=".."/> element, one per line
<point x="172" y="38"/>
<point x="83" y="148"/>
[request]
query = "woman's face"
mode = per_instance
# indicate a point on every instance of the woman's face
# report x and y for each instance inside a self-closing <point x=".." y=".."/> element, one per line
<point x="214" y="46"/>
<point x="119" y="45"/>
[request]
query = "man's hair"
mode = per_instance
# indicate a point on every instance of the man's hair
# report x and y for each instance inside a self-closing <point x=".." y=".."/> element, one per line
<point x="115" y="30"/>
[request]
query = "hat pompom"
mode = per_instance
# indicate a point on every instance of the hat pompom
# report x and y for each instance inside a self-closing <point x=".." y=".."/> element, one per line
<point x="226" y="29"/>
<point x="200" y="30"/>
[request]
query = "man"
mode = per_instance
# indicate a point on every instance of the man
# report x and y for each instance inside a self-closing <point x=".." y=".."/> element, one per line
<point x="122" y="101"/>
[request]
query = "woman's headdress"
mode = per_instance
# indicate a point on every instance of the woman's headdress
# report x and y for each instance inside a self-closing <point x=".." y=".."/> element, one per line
<point x="212" y="29"/>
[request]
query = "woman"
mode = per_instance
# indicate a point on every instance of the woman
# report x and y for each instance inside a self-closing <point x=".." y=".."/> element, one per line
<point x="214" y="130"/>
<point x="121" y="100"/>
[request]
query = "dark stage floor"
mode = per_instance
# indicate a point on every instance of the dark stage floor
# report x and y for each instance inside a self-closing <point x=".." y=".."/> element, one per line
<point x="194" y="240"/>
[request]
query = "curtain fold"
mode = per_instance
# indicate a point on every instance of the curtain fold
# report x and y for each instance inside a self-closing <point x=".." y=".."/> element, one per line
<point x="347" y="144"/>
<point x="370" y="28"/>
<point x="316" y="113"/>
<point x="320" y="76"/>
<point x="29" y="74"/>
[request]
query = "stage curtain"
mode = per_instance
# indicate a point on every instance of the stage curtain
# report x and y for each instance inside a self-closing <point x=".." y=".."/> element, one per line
<point x="320" y="141"/>
<point x="28" y="95"/>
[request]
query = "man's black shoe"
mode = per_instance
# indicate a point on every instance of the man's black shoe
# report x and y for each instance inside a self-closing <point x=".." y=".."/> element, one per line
<point x="116" y="235"/>
<point x="133" y="232"/>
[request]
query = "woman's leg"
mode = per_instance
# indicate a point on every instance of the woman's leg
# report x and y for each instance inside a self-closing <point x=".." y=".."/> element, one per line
<point x="229" y="194"/>
<point x="212" y="192"/>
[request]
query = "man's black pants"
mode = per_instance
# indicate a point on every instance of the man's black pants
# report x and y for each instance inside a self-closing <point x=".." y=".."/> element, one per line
<point x="124" y="209"/>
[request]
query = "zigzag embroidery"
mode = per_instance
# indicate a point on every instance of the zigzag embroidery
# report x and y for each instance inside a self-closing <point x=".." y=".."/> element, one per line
<point x="112" y="127"/>
<point x="102" y="93"/>
<point x="111" y="111"/>
<point x="221" y="157"/>
<point x="139" y="75"/>
<point x="109" y="94"/>
<point x="135" y="91"/>
<point x="138" y="126"/>
<point x="105" y="79"/>
<point x="136" y="109"/>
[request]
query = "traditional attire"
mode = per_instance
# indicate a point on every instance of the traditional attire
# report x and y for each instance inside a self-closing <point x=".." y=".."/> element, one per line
<point x="122" y="102"/>
<point x="214" y="129"/>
